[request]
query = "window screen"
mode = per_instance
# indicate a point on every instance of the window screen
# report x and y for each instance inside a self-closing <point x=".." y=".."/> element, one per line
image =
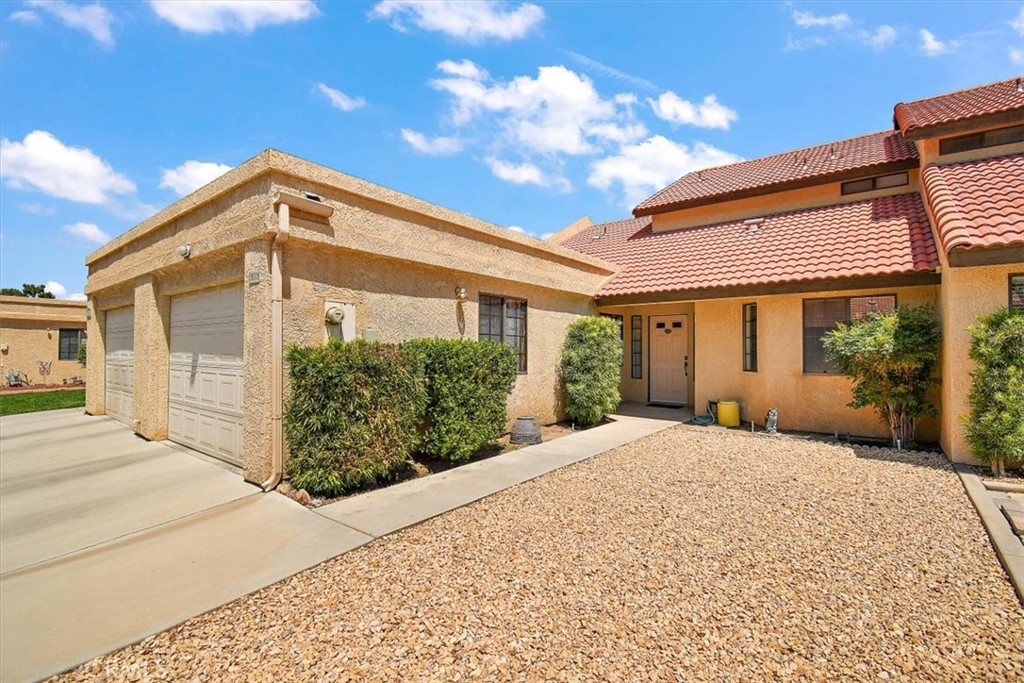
<point x="503" y="320"/>
<point x="750" y="337"/>
<point x="636" y="349"/>
<point x="1017" y="292"/>
<point x="821" y="315"/>
<point x="68" y="343"/>
<point x="877" y="183"/>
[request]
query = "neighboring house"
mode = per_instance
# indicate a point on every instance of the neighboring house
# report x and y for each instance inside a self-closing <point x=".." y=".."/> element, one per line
<point x="724" y="282"/>
<point x="730" y="276"/>
<point x="193" y="306"/>
<point x="39" y="339"/>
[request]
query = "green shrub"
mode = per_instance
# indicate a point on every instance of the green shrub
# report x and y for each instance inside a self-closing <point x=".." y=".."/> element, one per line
<point x="354" y="413"/>
<point x="890" y="356"/>
<point x="995" y="426"/>
<point x="468" y="383"/>
<point x="81" y="355"/>
<point x="591" y="365"/>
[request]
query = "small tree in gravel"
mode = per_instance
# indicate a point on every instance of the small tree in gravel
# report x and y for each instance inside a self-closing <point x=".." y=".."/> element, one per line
<point x="995" y="426"/>
<point x="890" y="356"/>
<point x="591" y="363"/>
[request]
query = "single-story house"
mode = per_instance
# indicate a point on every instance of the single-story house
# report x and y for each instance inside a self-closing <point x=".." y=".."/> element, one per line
<point x="724" y="282"/>
<point x="193" y="307"/>
<point x="39" y="340"/>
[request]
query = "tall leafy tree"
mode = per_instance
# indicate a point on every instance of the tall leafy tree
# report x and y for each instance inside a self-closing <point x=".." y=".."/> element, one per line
<point x="33" y="291"/>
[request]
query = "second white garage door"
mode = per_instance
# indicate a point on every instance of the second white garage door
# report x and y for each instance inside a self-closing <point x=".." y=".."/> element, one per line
<point x="205" y="390"/>
<point x="119" y="363"/>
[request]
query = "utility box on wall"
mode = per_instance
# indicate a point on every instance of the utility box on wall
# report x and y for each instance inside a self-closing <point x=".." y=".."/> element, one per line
<point x="339" y="320"/>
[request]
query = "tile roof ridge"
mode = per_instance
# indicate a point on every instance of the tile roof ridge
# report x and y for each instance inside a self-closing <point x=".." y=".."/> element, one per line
<point x="794" y="152"/>
<point x="998" y="81"/>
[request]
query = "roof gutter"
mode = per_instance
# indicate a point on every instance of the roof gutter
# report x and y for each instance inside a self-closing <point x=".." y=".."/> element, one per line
<point x="284" y="202"/>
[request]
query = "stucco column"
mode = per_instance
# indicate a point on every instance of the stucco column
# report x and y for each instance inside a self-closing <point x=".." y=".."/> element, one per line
<point x="967" y="294"/>
<point x="95" y="377"/>
<point x="152" y="336"/>
<point x="256" y="429"/>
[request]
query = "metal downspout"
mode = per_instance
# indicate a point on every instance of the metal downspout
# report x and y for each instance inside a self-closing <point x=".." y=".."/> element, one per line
<point x="276" y="351"/>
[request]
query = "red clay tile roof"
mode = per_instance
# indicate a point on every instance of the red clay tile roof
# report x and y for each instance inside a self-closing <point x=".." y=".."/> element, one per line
<point x="780" y="171"/>
<point x="978" y="204"/>
<point x="962" y="105"/>
<point x="883" y="236"/>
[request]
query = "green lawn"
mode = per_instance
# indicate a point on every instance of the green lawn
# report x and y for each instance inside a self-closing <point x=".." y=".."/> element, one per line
<point x="12" y="404"/>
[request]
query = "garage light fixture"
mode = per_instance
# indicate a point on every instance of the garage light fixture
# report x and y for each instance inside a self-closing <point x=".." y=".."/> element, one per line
<point x="184" y="251"/>
<point x="460" y="293"/>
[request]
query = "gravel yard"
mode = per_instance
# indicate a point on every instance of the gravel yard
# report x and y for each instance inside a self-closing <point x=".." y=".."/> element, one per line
<point x="691" y="555"/>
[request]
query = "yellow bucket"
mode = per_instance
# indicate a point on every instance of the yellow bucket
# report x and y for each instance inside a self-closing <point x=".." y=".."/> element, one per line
<point x="729" y="413"/>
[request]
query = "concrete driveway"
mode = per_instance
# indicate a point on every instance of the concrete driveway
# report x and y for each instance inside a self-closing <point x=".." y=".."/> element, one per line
<point x="106" y="539"/>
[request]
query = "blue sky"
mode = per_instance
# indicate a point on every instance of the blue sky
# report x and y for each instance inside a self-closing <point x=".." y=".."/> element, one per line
<point x="526" y="115"/>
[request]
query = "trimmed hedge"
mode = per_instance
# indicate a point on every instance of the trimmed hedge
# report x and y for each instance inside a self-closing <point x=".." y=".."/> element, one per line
<point x="354" y="415"/>
<point x="995" y="427"/>
<point x="468" y="383"/>
<point x="591" y="366"/>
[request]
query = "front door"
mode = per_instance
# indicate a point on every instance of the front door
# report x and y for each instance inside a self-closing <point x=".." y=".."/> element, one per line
<point x="669" y="335"/>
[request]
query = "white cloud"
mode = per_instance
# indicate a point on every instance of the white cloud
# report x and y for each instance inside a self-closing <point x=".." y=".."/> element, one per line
<point x="516" y="228"/>
<point x="56" y="288"/>
<point x="809" y="20"/>
<point x="881" y="38"/>
<point x="90" y="232"/>
<point x="612" y="72"/>
<point x="933" y="47"/>
<point x="464" y="69"/>
<point x="646" y="167"/>
<point x="78" y="296"/>
<point x="38" y="209"/>
<point x="1016" y="56"/>
<point x="191" y="175"/>
<point x="94" y="19"/>
<point x="559" y="111"/>
<point x="472" y="22"/>
<point x="1018" y="23"/>
<point x="438" y="146"/>
<point x="527" y="173"/>
<point x="710" y="113"/>
<point x="44" y="163"/>
<point x="793" y="44"/>
<point x="340" y="100"/>
<point x="218" y="16"/>
<point x="25" y="16"/>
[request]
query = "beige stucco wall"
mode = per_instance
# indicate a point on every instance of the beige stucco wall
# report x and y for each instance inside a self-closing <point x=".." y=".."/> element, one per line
<point x="30" y="331"/>
<point x="967" y="293"/>
<point x="637" y="389"/>
<point x="805" y="402"/>
<point x="776" y="202"/>
<point x="403" y="300"/>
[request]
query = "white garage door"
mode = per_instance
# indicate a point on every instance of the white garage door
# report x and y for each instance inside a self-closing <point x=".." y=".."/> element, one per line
<point x="205" y="391"/>
<point x="119" y="342"/>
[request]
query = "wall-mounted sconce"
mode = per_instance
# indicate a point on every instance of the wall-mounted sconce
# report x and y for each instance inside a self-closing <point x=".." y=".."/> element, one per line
<point x="184" y="251"/>
<point x="88" y="314"/>
<point x="460" y="293"/>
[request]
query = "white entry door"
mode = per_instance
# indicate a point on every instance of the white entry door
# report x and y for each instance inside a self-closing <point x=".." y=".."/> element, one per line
<point x="205" y="384"/>
<point x="669" y="337"/>
<point x="119" y="362"/>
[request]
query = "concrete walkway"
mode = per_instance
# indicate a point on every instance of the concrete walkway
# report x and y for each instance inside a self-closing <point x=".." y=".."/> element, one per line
<point x="387" y="510"/>
<point x="106" y="539"/>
